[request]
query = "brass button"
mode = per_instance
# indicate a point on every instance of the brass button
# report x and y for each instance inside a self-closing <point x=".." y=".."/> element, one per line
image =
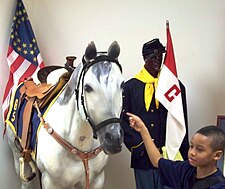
<point x="152" y="125"/>
<point x="152" y="110"/>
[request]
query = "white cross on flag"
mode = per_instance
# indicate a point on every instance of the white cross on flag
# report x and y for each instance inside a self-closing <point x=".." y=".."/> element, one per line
<point x="168" y="93"/>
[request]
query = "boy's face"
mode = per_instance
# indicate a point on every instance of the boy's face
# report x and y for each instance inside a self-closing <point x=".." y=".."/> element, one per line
<point x="200" y="153"/>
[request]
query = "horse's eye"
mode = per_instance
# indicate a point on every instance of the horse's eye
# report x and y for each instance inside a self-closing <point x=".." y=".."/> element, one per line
<point x="88" y="88"/>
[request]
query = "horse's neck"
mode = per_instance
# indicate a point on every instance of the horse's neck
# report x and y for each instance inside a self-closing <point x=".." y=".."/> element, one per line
<point x="70" y="125"/>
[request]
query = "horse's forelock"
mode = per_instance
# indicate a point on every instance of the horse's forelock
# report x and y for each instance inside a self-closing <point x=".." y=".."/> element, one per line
<point x="102" y="69"/>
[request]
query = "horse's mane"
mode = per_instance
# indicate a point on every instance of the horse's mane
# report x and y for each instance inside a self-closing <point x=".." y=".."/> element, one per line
<point x="70" y="87"/>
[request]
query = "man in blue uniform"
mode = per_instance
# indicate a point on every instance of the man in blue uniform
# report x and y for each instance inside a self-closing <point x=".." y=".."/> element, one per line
<point x="139" y="99"/>
<point x="200" y="171"/>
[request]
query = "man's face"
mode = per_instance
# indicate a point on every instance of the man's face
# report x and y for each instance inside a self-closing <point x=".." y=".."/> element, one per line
<point x="153" y="63"/>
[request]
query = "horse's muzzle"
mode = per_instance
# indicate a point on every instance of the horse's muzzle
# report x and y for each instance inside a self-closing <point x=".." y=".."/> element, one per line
<point x="111" y="138"/>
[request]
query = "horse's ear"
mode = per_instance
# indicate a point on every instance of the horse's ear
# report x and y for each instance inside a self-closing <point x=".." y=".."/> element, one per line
<point x="90" y="52"/>
<point x="114" y="50"/>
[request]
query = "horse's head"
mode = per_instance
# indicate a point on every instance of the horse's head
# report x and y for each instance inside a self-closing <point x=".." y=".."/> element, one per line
<point x="100" y="91"/>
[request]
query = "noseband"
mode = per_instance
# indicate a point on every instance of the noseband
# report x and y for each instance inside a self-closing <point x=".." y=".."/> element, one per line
<point x="86" y="66"/>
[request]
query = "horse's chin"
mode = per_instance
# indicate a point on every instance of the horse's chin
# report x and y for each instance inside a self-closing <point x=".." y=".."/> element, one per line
<point x="112" y="150"/>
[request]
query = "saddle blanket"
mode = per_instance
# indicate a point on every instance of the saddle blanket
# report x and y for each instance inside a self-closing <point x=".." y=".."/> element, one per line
<point x="15" y="117"/>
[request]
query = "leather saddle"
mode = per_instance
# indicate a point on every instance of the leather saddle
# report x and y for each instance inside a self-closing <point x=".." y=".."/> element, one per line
<point x="41" y="94"/>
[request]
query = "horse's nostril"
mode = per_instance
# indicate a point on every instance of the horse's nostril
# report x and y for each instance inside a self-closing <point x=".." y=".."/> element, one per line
<point x="111" y="139"/>
<point x="108" y="137"/>
<point x="121" y="132"/>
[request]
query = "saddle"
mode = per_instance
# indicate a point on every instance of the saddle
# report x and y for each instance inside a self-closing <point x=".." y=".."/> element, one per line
<point x="42" y="94"/>
<point x="28" y="95"/>
<point x="39" y="95"/>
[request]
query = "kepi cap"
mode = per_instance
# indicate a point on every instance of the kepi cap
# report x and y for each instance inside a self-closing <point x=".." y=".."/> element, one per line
<point x="153" y="47"/>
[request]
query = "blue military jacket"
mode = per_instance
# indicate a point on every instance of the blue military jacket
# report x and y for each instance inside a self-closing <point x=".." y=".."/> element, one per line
<point x="154" y="119"/>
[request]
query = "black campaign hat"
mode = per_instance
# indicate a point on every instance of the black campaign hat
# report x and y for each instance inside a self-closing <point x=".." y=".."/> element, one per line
<point x="153" y="47"/>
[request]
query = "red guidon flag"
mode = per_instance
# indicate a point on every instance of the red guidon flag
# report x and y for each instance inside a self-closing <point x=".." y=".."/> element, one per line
<point x="168" y="93"/>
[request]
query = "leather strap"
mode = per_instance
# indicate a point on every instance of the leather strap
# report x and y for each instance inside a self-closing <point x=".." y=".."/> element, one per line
<point x="84" y="156"/>
<point x="70" y="147"/>
<point x="26" y="123"/>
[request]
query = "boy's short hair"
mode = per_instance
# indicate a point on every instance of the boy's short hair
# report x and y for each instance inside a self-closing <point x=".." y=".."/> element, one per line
<point x="216" y="134"/>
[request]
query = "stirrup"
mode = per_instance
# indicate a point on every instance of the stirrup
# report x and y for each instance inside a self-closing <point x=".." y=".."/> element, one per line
<point x="22" y="174"/>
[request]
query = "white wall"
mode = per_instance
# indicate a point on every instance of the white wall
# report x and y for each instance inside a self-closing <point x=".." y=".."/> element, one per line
<point x="64" y="28"/>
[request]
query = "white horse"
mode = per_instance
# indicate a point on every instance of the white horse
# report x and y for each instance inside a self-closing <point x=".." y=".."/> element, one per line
<point x="81" y="128"/>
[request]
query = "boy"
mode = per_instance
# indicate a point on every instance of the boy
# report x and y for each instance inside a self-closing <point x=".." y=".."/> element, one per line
<point x="200" y="171"/>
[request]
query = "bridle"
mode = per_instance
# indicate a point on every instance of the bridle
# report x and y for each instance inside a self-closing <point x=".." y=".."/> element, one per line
<point x="86" y="66"/>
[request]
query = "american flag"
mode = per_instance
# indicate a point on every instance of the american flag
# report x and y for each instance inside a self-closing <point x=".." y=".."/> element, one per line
<point x="23" y="57"/>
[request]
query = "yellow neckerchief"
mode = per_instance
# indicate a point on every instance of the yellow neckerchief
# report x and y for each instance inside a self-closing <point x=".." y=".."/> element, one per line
<point x="150" y="85"/>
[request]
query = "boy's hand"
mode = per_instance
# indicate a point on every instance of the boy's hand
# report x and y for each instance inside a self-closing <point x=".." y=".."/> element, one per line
<point x="139" y="126"/>
<point x="136" y="123"/>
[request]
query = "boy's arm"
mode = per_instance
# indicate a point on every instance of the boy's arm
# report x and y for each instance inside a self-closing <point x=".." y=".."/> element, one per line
<point x="152" y="150"/>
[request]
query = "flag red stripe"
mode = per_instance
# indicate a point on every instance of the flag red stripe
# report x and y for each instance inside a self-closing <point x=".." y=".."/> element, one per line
<point x="29" y="72"/>
<point x="10" y="49"/>
<point x="16" y="64"/>
<point x="8" y="86"/>
<point x="42" y="65"/>
<point x="7" y="92"/>
<point x="170" y="59"/>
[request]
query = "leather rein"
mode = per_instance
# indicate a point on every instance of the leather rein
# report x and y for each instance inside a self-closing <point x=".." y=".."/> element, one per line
<point x="84" y="156"/>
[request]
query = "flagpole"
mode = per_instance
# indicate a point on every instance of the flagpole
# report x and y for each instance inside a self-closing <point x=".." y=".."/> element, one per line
<point x="167" y="24"/>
